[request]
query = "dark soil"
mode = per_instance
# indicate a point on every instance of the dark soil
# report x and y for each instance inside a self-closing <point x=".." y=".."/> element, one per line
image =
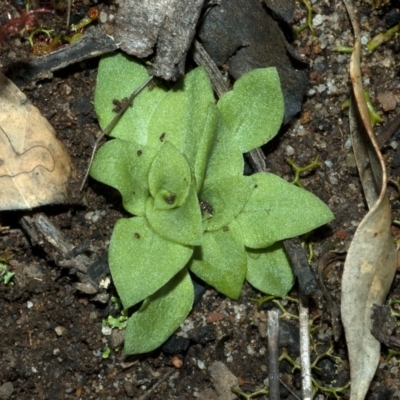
<point x="52" y="340"/>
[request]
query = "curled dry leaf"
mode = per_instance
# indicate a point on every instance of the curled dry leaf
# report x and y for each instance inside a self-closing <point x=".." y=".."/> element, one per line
<point x="371" y="260"/>
<point x="34" y="165"/>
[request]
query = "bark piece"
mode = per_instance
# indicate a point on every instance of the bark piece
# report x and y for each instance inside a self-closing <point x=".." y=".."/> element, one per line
<point x="165" y="25"/>
<point x="243" y="34"/>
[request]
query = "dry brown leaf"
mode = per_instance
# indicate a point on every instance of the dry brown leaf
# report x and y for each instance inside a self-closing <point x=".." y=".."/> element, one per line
<point x="371" y="260"/>
<point x="34" y="165"/>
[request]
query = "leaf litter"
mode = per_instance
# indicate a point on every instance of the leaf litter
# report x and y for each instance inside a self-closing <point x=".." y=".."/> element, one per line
<point x="371" y="259"/>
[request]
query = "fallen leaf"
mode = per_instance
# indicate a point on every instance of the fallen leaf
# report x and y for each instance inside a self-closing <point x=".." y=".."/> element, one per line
<point x="34" y="165"/>
<point x="371" y="260"/>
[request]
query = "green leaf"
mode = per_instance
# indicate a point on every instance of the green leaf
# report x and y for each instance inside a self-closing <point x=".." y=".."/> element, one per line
<point x="182" y="114"/>
<point x="226" y="158"/>
<point x="160" y="315"/>
<point x="125" y="166"/>
<point x="253" y="110"/>
<point x="182" y="224"/>
<point x="201" y="146"/>
<point x="169" y="178"/>
<point x="270" y="271"/>
<point x="227" y="197"/>
<point x="278" y="210"/>
<point x="141" y="261"/>
<point x="118" y="76"/>
<point x="221" y="260"/>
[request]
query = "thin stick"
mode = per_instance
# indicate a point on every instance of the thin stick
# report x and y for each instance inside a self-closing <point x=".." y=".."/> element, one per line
<point x="156" y="385"/>
<point x="306" y="385"/>
<point x="288" y="389"/>
<point x="111" y="125"/>
<point x="273" y="356"/>
<point x="69" y="12"/>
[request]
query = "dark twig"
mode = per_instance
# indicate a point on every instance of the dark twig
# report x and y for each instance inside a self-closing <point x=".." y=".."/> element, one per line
<point x="288" y="389"/>
<point x="301" y="267"/>
<point x="273" y="356"/>
<point x="156" y="385"/>
<point x="388" y="131"/>
<point x="111" y="125"/>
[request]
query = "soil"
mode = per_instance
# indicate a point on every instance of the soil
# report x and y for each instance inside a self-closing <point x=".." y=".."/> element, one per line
<point x="52" y="339"/>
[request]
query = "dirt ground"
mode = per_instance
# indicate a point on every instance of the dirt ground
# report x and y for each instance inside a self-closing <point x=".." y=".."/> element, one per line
<point x="52" y="341"/>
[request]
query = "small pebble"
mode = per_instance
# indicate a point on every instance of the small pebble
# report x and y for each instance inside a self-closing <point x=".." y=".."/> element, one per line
<point x="214" y="317"/>
<point x="29" y="304"/>
<point x="59" y="330"/>
<point x="388" y="101"/>
<point x="289" y="150"/>
<point x="103" y="17"/>
<point x="6" y="390"/>
<point x="129" y="389"/>
<point x="318" y="20"/>
<point x="348" y="143"/>
<point x="177" y="362"/>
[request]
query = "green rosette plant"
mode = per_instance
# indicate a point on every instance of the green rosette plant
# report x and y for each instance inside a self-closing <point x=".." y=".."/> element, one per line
<point x="176" y="157"/>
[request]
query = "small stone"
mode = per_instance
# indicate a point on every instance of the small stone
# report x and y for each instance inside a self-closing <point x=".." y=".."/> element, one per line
<point x="117" y="338"/>
<point x="59" y="330"/>
<point x="175" y="345"/>
<point x="289" y="150"/>
<point x="6" y="390"/>
<point x="202" y="334"/>
<point x="263" y="329"/>
<point x="341" y="234"/>
<point x="129" y="389"/>
<point x="103" y="17"/>
<point x="177" y="362"/>
<point x="214" y="317"/>
<point x="388" y="101"/>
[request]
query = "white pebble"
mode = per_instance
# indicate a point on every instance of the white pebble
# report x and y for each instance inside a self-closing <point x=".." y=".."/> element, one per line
<point x="332" y="179"/>
<point x="103" y="17"/>
<point x="106" y="330"/>
<point x="29" y="304"/>
<point x="318" y="20"/>
<point x="348" y="143"/>
<point x="328" y="163"/>
<point x="394" y="144"/>
<point x="289" y="150"/>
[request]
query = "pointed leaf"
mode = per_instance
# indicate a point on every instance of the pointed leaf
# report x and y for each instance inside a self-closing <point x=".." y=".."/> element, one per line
<point x="166" y="310"/>
<point x="169" y="178"/>
<point x="141" y="261"/>
<point x="279" y="210"/>
<point x="182" y="224"/>
<point x="221" y="260"/>
<point x="253" y="110"/>
<point x="227" y="197"/>
<point x="125" y="166"/>
<point x="270" y="272"/>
